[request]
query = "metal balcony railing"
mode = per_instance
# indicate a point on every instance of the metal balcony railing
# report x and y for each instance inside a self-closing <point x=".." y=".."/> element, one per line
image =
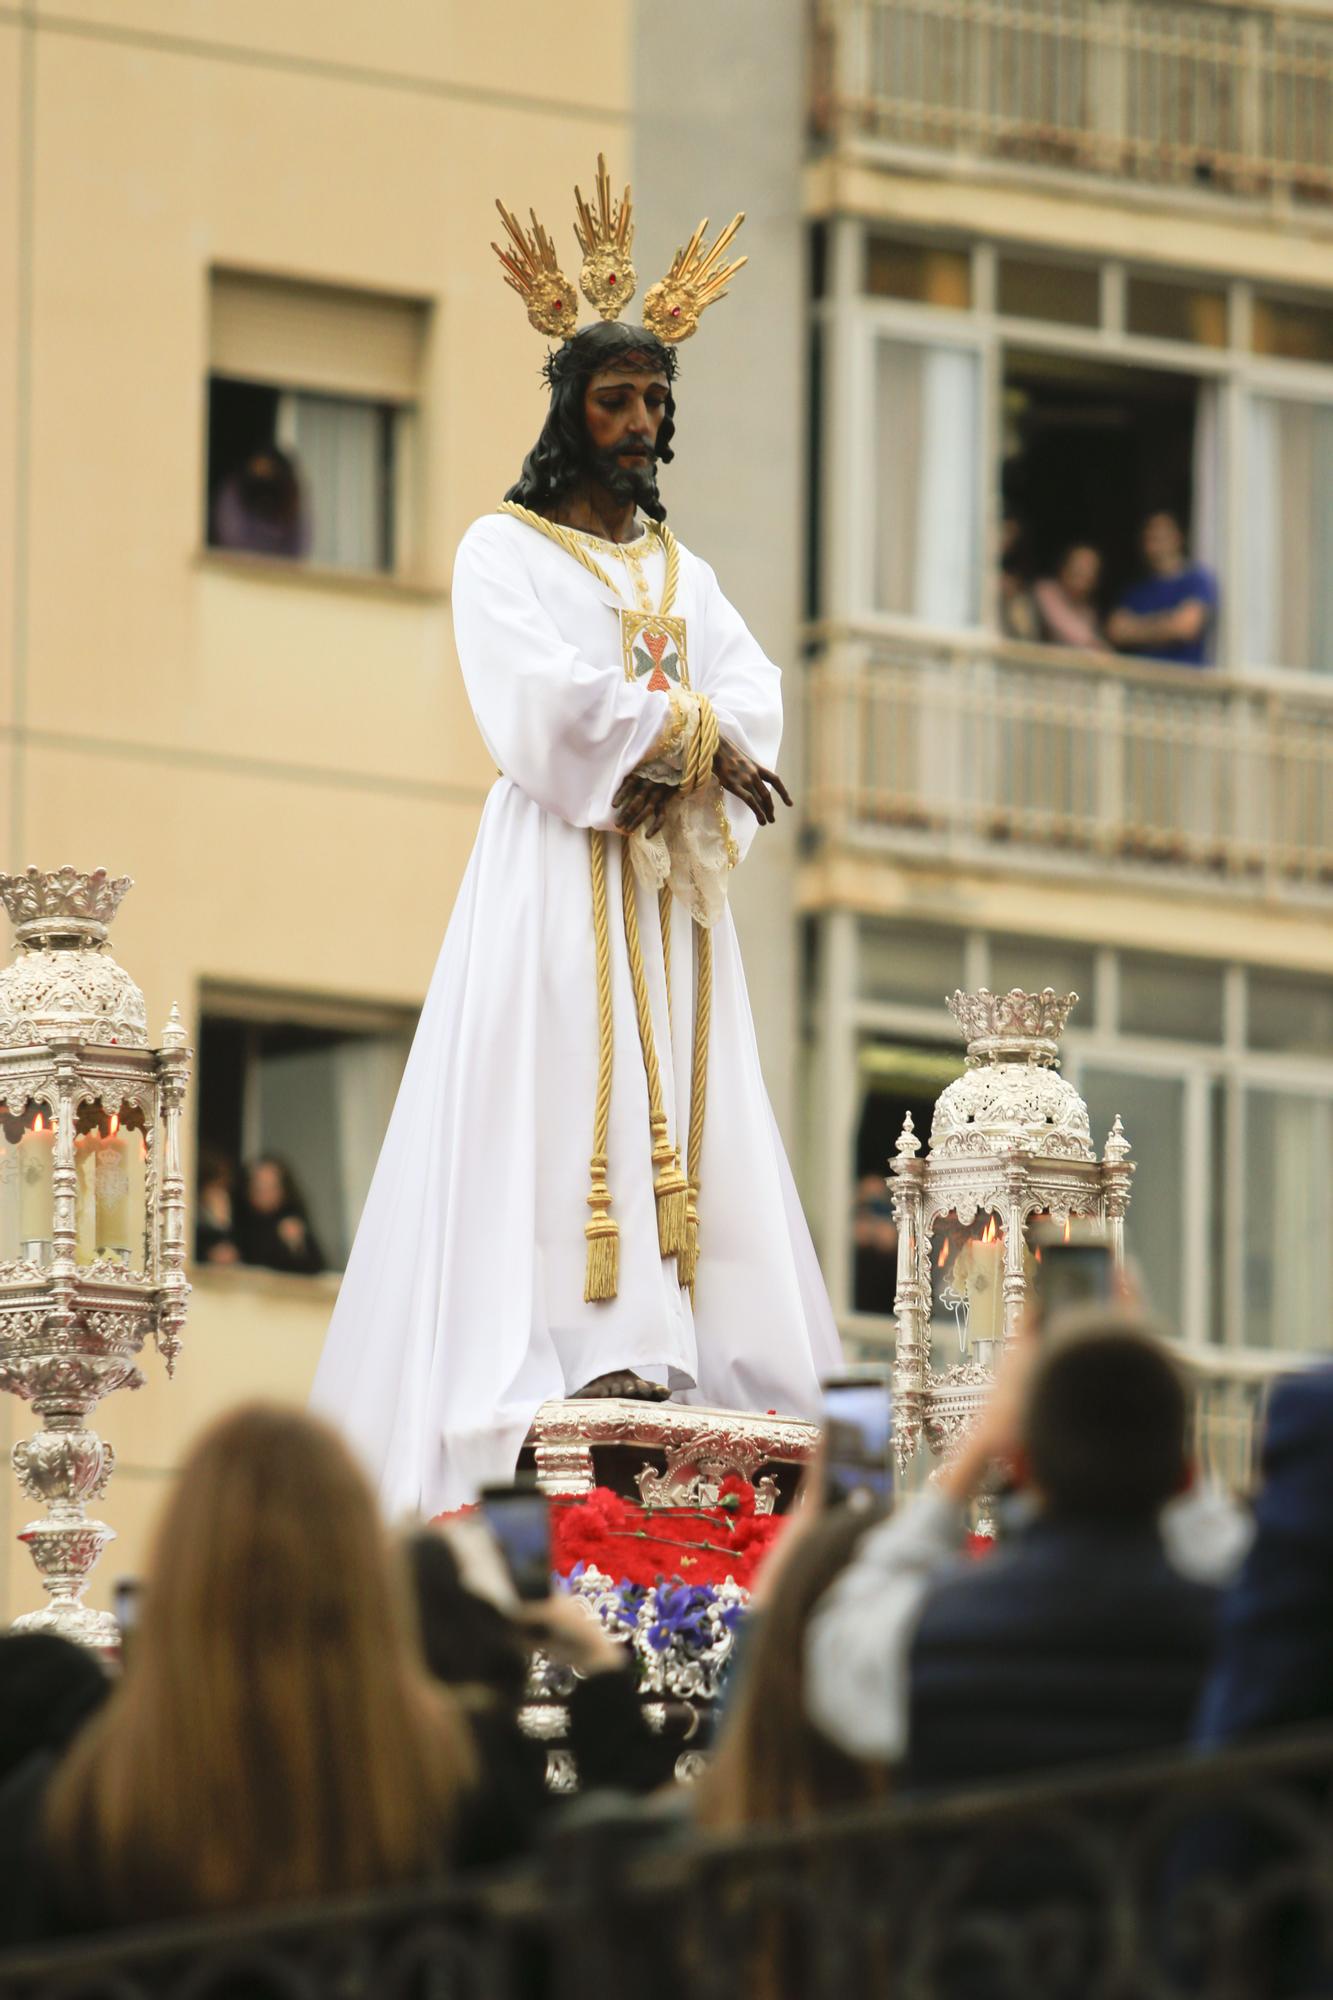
<point x="1225" y="98"/>
<point x="1069" y="762"/>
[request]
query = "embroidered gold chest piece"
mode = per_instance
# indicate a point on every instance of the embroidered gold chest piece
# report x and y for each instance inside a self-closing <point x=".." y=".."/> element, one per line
<point x="653" y="643"/>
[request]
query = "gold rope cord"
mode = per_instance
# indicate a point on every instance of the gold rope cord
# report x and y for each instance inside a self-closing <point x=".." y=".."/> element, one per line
<point x="602" y="1272"/>
<point x="687" y="1263"/>
<point x="573" y="545"/>
<point x="668" y="1180"/>
<point x="676" y="1197"/>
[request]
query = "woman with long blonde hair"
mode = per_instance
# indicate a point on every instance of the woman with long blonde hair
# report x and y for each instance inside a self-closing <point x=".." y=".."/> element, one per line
<point x="276" y="1736"/>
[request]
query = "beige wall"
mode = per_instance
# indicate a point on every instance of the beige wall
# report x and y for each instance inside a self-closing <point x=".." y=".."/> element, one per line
<point x="287" y="766"/>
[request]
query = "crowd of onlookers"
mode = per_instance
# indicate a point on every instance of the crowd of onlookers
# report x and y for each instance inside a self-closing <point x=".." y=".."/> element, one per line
<point x="1168" y="614"/>
<point x="310" y="1706"/>
<point x="254" y="1215"/>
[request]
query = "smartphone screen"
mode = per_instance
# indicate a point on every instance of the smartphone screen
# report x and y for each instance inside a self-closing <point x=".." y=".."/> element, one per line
<point x="1071" y="1275"/>
<point x="517" y="1516"/>
<point x="858" y="1440"/>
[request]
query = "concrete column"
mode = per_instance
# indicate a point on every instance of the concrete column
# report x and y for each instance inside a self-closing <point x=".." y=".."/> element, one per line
<point x="719" y="119"/>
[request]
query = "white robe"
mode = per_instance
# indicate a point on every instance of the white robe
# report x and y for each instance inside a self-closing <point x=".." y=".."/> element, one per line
<point x="462" y="1308"/>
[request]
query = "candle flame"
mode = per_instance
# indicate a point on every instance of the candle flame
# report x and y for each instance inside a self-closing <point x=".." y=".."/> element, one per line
<point x="39" y="1123"/>
<point x="943" y="1257"/>
<point x="1068" y="1227"/>
<point x="991" y="1233"/>
<point x="112" y="1125"/>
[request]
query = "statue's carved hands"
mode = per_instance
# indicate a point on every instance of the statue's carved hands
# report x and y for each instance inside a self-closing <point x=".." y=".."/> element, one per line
<point x="749" y="782"/>
<point x="642" y="802"/>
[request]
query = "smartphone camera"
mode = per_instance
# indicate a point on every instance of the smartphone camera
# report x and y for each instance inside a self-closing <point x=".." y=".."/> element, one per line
<point x="1072" y="1270"/>
<point x="519" y="1519"/>
<point x="858" y="1440"/>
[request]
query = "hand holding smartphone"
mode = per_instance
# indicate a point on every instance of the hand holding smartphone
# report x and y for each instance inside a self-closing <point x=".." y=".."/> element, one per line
<point x="858" y="1440"/>
<point x="519" y="1519"/>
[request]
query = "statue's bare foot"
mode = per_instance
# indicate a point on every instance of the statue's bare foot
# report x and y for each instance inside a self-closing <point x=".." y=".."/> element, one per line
<point x="624" y="1383"/>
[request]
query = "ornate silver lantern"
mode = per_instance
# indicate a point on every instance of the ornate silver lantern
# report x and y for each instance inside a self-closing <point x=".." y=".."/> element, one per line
<point x="1010" y="1145"/>
<point x="92" y="1211"/>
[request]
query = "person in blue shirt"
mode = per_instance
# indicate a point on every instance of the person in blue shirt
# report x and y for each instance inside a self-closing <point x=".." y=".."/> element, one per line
<point x="1170" y="614"/>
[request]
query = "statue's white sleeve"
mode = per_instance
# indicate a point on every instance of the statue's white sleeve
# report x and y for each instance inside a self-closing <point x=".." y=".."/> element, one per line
<point x="566" y="728"/>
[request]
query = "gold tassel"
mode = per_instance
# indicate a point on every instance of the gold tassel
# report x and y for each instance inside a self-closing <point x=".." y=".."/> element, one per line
<point x="687" y="1258"/>
<point x="601" y="1278"/>
<point x="671" y="1189"/>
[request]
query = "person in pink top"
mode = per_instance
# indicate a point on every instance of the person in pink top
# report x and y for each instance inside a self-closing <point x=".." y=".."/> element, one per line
<point x="1067" y="602"/>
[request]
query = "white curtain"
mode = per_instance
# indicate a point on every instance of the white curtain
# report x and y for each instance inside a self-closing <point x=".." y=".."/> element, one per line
<point x="926" y="472"/>
<point x="1289" y="535"/>
<point x="337" y="447"/>
<point x="1288" y="1245"/>
<point x="1206" y="526"/>
<point x="367" y="1073"/>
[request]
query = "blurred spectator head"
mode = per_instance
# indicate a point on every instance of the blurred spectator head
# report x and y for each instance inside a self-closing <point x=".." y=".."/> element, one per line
<point x="217" y="1174"/>
<point x="1163" y="543"/>
<point x="271" y="1189"/>
<point x="276" y="1734"/>
<point x="1013" y="547"/>
<point x="1080" y="572"/>
<point x="269" y="486"/>
<point x="1104" y="1429"/>
<point x="259" y="508"/>
<point x="467" y="1642"/>
<point x="49" y="1687"/>
<point x="772" y="1765"/>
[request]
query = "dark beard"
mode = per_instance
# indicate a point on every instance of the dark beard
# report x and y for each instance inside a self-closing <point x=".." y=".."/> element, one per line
<point x="627" y="479"/>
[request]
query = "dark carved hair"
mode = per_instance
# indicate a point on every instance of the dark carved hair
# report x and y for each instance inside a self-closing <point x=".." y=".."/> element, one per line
<point x="559" y="458"/>
<point x="1105" y="1430"/>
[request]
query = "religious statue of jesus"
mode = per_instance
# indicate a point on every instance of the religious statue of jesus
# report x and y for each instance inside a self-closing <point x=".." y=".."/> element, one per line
<point x="583" y="1190"/>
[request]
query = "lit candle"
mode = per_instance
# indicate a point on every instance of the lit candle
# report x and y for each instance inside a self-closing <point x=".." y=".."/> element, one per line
<point x="36" y="1189"/>
<point x="85" y="1197"/>
<point x="113" y="1193"/>
<point x="985" y="1284"/>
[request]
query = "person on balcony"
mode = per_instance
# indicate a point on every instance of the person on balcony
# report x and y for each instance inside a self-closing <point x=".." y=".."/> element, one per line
<point x="1067" y="602"/>
<point x="1018" y="613"/>
<point x="1171" y="612"/>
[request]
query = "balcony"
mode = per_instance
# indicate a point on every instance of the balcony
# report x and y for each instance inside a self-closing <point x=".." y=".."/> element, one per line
<point x="1217" y="100"/>
<point x="1059" y="762"/>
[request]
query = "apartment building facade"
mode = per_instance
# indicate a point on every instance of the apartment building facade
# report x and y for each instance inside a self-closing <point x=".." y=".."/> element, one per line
<point x="234" y="238"/>
<point x="1072" y="262"/>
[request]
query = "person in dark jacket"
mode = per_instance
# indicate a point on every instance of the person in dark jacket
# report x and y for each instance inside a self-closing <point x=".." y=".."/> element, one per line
<point x="274" y="1227"/>
<point x="1080" y="1639"/>
<point x="1274" y="1664"/>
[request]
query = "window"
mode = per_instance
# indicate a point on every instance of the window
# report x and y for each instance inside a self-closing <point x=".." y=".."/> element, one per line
<point x="918" y="271"/>
<point x="311" y="422"/>
<point x="1164" y="311"/>
<point x="1293" y="329"/>
<point x="1173" y="999"/>
<point x="1290" y="1015"/>
<point x="310" y="1085"/>
<point x="1031" y="963"/>
<point x="1067" y="294"/>
<point x="907" y="962"/>
<point x="926" y="450"/>
<point x="1092" y="448"/>
<point x="1288" y="1243"/>
<point x="1288" y="507"/>
<point x="1152" y="1109"/>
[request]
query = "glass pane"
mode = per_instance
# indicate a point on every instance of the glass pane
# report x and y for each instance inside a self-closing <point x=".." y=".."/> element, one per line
<point x="926" y="472"/>
<point x="1291" y="1015"/>
<point x="920" y="272"/>
<point x="1066" y="293"/>
<point x="1293" y="329"/>
<point x="1176" y="312"/>
<point x="1288" y="504"/>
<point x="910" y="962"/>
<point x="1288" y="1243"/>
<point x="1176" y="998"/>
<point x="1033" y="963"/>
<point x="1152" y="1109"/>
